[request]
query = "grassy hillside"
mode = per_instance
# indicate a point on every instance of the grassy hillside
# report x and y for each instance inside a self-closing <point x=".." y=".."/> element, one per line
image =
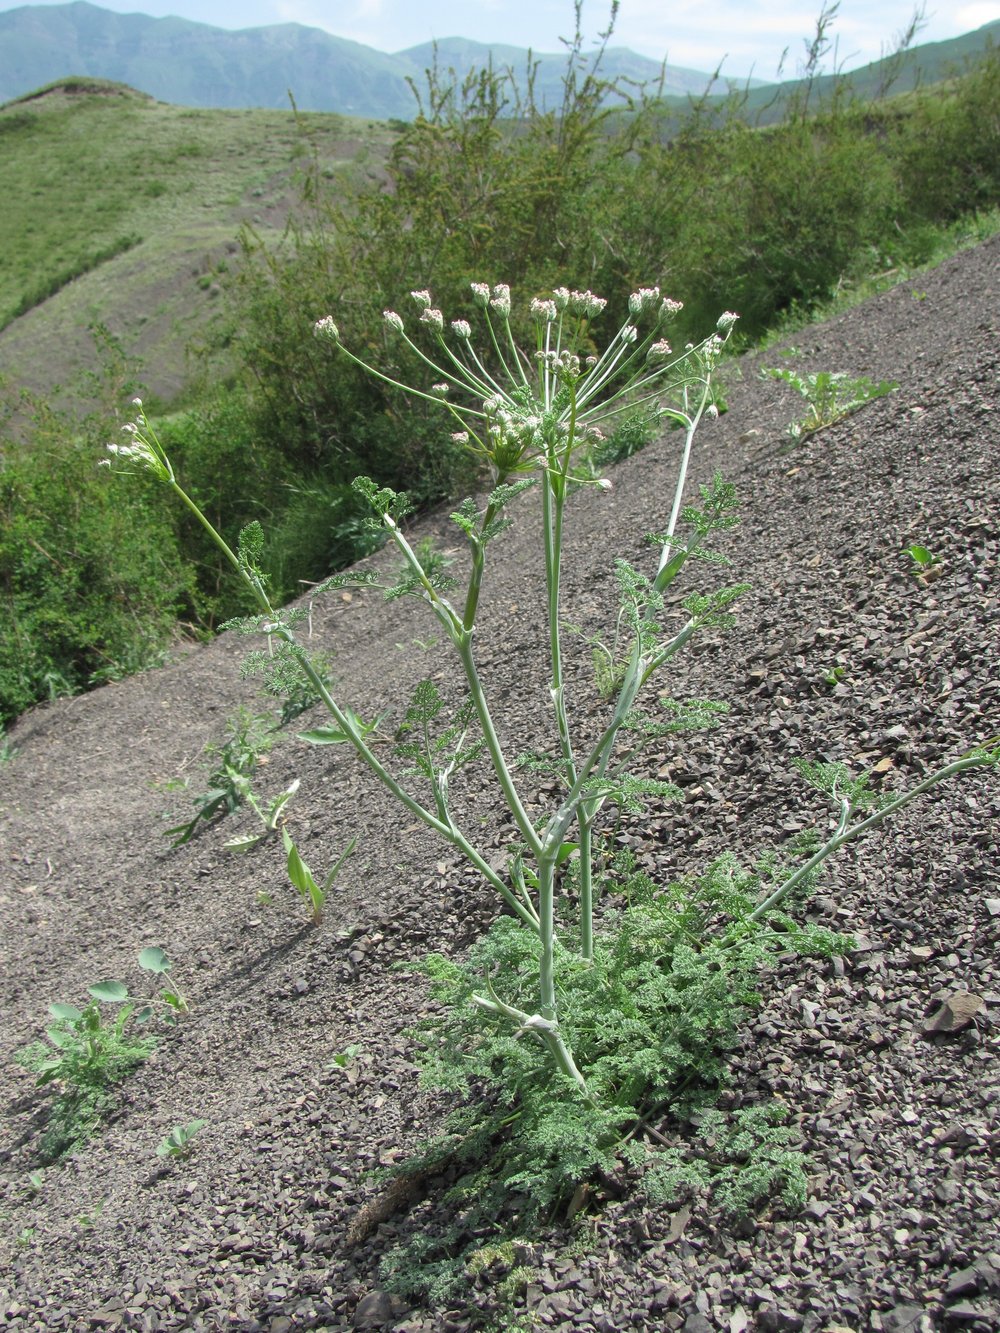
<point x="126" y="213"/>
<point x="122" y="210"/>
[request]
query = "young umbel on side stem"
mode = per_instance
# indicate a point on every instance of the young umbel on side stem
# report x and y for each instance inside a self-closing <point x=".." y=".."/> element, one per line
<point x="533" y="420"/>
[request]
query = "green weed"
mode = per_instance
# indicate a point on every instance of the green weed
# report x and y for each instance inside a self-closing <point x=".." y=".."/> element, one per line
<point x="831" y="396"/>
<point x="179" y="1142"/>
<point x="235" y="760"/>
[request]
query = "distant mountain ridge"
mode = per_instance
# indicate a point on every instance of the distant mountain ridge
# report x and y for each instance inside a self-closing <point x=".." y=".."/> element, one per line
<point x="194" y="64"/>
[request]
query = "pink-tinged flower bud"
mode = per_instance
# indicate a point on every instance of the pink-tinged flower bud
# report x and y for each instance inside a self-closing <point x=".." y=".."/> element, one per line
<point x="659" y="351"/>
<point x="423" y="299"/>
<point x="605" y="484"/>
<point x="544" y="311"/>
<point x="712" y="412"/>
<point x="461" y="437"/>
<point x="434" y="318"/>
<point x="326" y="329"/>
<point x="586" y="304"/>
<point x="628" y="333"/>
<point x="670" y="308"/>
<point x="461" y="328"/>
<point x="393" y="320"/>
<point x="560" y="298"/>
<point x="439" y="390"/>
<point x="501" y="299"/>
<point x="726" y="320"/>
<point x="644" y="299"/>
<point x="480" y="294"/>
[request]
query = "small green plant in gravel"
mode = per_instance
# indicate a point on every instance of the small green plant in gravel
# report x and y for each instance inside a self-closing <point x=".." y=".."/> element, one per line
<point x="312" y="893"/>
<point x="235" y="760"/>
<point x="87" y="1051"/>
<point x="830" y="395"/>
<point x="179" y="1141"/>
<point x="603" y="999"/>
<point x="152" y="959"/>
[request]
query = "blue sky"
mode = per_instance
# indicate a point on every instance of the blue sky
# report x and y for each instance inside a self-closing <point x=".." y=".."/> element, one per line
<point x="752" y="34"/>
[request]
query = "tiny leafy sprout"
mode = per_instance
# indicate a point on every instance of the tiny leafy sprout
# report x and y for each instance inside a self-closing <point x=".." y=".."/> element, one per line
<point x="921" y="557"/>
<point x="36" y="1179"/>
<point x="154" y="960"/>
<point x="268" y="817"/>
<point x="343" y="1059"/>
<point x="835" y="675"/>
<point x="314" y="894"/>
<point x="178" y="1142"/>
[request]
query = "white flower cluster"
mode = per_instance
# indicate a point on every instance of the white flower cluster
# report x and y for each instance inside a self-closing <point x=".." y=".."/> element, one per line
<point x="325" y="328"/>
<point x="586" y="304"/>
<point x="501" y="299"/>
<point x="726" y="320"/>
<point x="432" y="317"/>
<point x="544" y="311"/>
<point x="659" y="351"/>
<point x="642" y="300"/>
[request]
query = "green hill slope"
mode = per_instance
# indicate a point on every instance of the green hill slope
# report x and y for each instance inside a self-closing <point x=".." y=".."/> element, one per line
<point x="122" y="210"/>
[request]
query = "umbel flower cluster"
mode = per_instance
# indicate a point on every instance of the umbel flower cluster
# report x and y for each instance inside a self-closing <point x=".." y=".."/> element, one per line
<point x="517" y="411"/>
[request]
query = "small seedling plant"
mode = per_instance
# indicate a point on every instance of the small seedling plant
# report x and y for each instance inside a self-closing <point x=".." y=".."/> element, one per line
<point x="576" y="1019"/>
<point x="180" y="1140"/>
<point x="88" y="1051"/>
<point x="831" y="396"/>
<point x="229" y="782"/>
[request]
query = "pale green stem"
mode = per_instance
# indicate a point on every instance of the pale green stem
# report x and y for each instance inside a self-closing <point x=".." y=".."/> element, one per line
<point x="546" y="1031"/>
<point x="693" y="424"/>
<point x="845" y="834"/>
<point x="585" y="824"/>
<point x="500" y="767"/>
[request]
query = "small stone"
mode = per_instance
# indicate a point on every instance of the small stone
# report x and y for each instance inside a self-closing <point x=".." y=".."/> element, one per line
<point x="993" y="906"/>
<point x="905" y="1319"/>
<point x="956" y="1012"/>
<point x="962" y="1283"/>
<point x="964" y="1312"/>
<point x="377" y="1310"/>
<point x="920" y="953"/>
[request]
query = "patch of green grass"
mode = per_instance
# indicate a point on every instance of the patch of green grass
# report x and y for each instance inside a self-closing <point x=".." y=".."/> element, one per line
<point x="116" y="201"/>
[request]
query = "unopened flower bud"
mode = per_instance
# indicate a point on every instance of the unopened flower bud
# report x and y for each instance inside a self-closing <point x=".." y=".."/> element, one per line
<point x="544" y="311"/>
<point x="434" y="318"/>
<point x="643" y="299"/>
<point x="439" y="389"/>
<point x="726" y="320"/>
<point x="560" y="298"/>
<point x="480" y="294"/>
<point x="659" y="351"/>
<point x="501" y="299"/>
<point x="393" y="320"/>
<point x="461" y="328"/>
<point x="586" y="304"/>
<point x="605" y="484"/>
<point x="423" y="299"/>
<point x="670" y="307"/>
<point x="325" y="328"/>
